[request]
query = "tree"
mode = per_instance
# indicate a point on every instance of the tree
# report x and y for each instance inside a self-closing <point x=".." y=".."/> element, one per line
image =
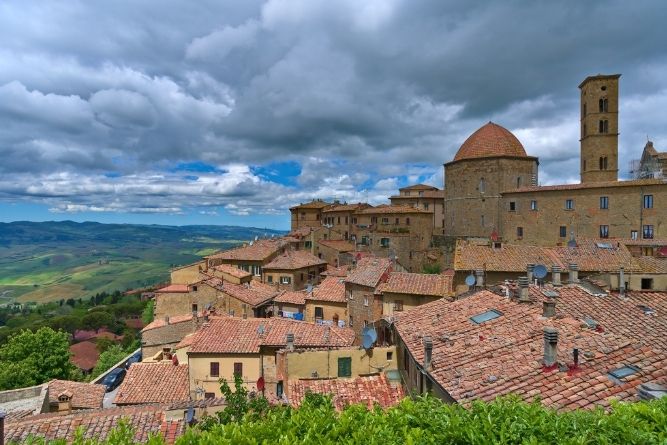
<point x="97" y="319"/>
<point x="109" y="358"/>
<point x="431" y="269"/>
<point x="103" y="343"/>
<point x="29" y="358"/>
<point x="147" y="314"/>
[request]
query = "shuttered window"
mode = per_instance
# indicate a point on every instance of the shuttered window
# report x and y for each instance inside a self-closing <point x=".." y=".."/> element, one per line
<point x="215" y="369"/>
<point x="344" y="366"/>
<point x="238" y="369"/>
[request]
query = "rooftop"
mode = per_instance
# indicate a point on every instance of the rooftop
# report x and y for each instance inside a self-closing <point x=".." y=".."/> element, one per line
<point x="652" y="265"/>
<point x="259" y="250"/>
<point x="490" y="140"/>
<point x="330" y="289"/>
<point x="345" y="207"/>
<point x="294" y="259"/>
<point x="253" y="293"/>
<point x="84" y="395"/>
<point x="292" y="297"/>
<point x="233" y="271"/>
<point x="174" y="288"/>
<point x="391" y="209"/>
<point x="246" y="336"/>
<point x="370" y="271"/>
<point x="366" y="390"/>
<point x="419" y="187"/>
<point x="339" y="245"/>
<point x="588" y="185"/>
<point x="433" y="285"/>
<point x="340" y="271"/>
<point x="161" y="382"/>
<point x="84" y="355"/>
<point x="314" y="204"/>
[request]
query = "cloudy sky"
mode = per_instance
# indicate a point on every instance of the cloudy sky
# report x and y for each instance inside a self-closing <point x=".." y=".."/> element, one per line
<point x="228" y="112"/>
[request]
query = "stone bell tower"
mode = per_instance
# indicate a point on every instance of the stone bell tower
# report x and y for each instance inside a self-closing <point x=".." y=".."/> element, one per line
<point x="599" y="128"/>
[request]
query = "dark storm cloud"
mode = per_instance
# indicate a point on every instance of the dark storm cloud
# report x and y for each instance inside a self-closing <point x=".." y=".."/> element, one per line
<point x="366" y="92"/>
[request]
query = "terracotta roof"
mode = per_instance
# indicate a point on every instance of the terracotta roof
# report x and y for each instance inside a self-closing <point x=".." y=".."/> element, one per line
<point x="95" y="424"/>
<point x="330" y="289"/>
<point x="84" y="395"/>
<point x="515" y="257"/>
<point x="174" y="288"/>
<point x="489" y="141"/>
<point x="254" y="293"/>
<point x="367" y="390"/>
<point x="588" y="185"/>
<point x="345" y="207"/>
<point x="161" y="382"/>
<point x="370" y="271"/>
<point x="246" y="336"/>
<point x="314" y="204"/>
<point x="161" y="333"/>
<point x="185" y="342"/>
<point x="641" y="241"/>
<point x="418" y="187"/>
<point x="159" y="323"/>
<point x="301" y="232"/>
<point x="333" y="271"/>
<point x="297" y="297"/>
<point x="84" y="355"/>
<point x="260" y="250"/>
<point x="392" y="209"/>
<point x="435" y="194"/>
<point x="294" y="259"/>
<point x="505" y="355"/>
<point x="419" y="284"/>
<point x="339" y="245"/>
<point x="232" y="270"/>
<point x="649" y="264"/>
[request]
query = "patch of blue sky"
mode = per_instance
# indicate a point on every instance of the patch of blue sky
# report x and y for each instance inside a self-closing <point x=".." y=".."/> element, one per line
<point x="285" y="173"/>
<point x="196" y="167"/>
<point x="112" y="175"/>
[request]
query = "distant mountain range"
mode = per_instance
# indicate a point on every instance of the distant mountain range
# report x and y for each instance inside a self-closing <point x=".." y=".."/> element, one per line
<point x="41" y="261"/>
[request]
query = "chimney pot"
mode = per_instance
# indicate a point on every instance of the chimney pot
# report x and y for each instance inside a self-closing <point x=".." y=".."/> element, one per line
<point x="575" y="355"/>
<point x="524" y="294"/>
<point x="555" y="275"/>
<point x="290" y="341"/>
<point x="549" y="308"/>
<point x="529" y="271"/>
<point x="479" y="273"/>
<point x="574" y="273"/>
<point x="428" y="351"/>
<point x="550" y="346"/>
<point x="621" y="281"/>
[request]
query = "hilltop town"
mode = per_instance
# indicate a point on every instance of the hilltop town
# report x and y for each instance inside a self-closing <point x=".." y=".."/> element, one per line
<point x="489" y="286"/>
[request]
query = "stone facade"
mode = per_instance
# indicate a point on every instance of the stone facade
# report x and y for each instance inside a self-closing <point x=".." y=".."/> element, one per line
<point x="424" y="197"/>
<point x="169" y="304"/>
<point x="187" y="274"/>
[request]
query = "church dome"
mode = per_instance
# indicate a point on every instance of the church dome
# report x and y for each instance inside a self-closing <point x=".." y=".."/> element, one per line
<point x="491" y="140"/>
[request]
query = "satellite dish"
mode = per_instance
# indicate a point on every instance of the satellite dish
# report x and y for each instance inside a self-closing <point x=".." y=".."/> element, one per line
<point x="251" y="243"/>
<point x="367" y="341"/>
<point x="373" y="333"/>
<point x="470" y="280"/>
<point x="256" y="237"/>
<point x="309" y="288"/>
<point x="540" y="271"/>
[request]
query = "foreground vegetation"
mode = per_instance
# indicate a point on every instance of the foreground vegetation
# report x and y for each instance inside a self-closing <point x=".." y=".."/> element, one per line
<point x="429" y="421"/>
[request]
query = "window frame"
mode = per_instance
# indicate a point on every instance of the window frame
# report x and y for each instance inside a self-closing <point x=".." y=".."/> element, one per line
<point x="533" y="205"/>
<point x="604" y="231"/>
<point x="214" y="369"/>
<point x="647" y="231"/>
<point x="569" y="204"/>
<point x="604" y="202"/>
<point x="648" y="201"/>
<point x="562" y="231"/>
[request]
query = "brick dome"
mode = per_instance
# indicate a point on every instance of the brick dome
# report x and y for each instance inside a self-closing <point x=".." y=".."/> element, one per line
<point x="489" y="141"/>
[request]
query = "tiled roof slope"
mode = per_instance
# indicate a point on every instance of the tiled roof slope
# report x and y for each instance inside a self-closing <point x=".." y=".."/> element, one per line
<point x="392" y="209"/>
<point x="174" y="289"/>
<point x="490" y="140"/>
<point x="505" y="355"/>
<point x="345" y="207"/>
<point x="232" y="270"/>
<point x="339" y="245"/>
<point x="238" y="335"/>
<point x="314" y="204"/>
<point x="95" y="424"/>
<point x="425" y="194"/>
<point x="587" y="185"/>
<point x="370" y="271"/>
<point x="294" y="259"/>
<point x="84" y="395"/>
<point x="341" y="271"/>
<point x="330" y="289"/>
<point x="254" y="293"/>
<point x="260" y="250"/>
<point x="434" y="285"/>
<point x="515" y="257"/>
<point x="160" y="333"/>
<point x="161" y="382"/>
<point x="652" y="265"/>
<point x="367" y="390"/>
<point x="84" y="355"/>
<point x="296" y="297"/>
<point x="419" y="187"/>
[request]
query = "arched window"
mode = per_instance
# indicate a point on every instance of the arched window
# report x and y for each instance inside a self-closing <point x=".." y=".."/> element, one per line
<point x="482" y="186"/>
<point x="603" y="126"/>
<point x="603" y="105"/>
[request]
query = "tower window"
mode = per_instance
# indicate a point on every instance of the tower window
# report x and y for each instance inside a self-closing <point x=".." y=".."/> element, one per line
<point x="481" y="185"/>
<point x="533" y="205"/>
<point x="562" y="231"/>
<point x="648" y="232"/>
<point x="604" y="202"/>
<point x="584" y="111"/>
<point x="603" y="105"/>
<point x="569" y="204"/>
<point x="604" y="231"/>
<point x="519" y="232"/>
<point x="512" y="206"/>
<point x="584" y="129"/>
<point x="584" y="162"/>
<point x="518" y="182"/>
<point x="603" y="126"/>
<point x="648" y="201"/>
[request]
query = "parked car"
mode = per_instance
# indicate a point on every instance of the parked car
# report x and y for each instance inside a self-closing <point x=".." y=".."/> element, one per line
<point x="113" y="379"/>
<point x="134" y="358"/>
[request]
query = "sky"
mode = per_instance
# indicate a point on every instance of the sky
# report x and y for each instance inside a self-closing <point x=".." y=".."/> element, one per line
<point x="229" y="112"/>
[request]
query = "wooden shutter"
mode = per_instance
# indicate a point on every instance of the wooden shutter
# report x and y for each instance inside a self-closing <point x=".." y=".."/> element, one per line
<point x="238" y="369"/>
<point x="215" y="369"/>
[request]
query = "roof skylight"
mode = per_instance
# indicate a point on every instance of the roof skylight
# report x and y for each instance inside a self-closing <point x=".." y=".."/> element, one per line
<point x="485" y="316"/>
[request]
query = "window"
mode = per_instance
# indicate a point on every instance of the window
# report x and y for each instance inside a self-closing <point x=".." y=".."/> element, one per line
<point x="512" y="206"/>
<point x="584" y="159"/>
<point x="344" y="366"/>
<point x="604" y="202"/>
<point x="308" y="244"/>
<point x="603" y="163"/>
<point x="569" y="204"/>
<point x="406" y="359"/>
<point x="420" y="193"/>
<point x="584" y="110"/>
<point x="214" y="369"/>
<point x="269" y="279"/>
<point x="604" y="231"/>
<point x="346" y="220"/>
<point x="385" y="220"/>
<point x="398" y="305"/>
<point x="374" y="219"/>
<point x="194" y="288"/>
<point x="562" y="231"/>
<point x="407" y="221"/>
<point x="603" y="105"/>
<point x="354" y="220"/>
<point x="426" y="206"/>
<point x="647" y="251"/>
<point x="482" y="186"/>
<point x="384" y="242"/>
<point x="351" y="321"/>
<point x="339" y="220"/>
<point x="603" y="126"/>
<point x="533" y="205"/>
<point x="648" y="201"/>
<point x="648" y="232"/>
<point x="231" y="312"/>
<point x="350" y="296"/>
<point x="518" y="182"/>
<point x="584" y="134"/>
<point x="481" y="220"/>
<point x="486" y="316"/>
<point x="647" y="283"/>
<point x="396" y="222"/>
<point x="194" y="307"/>
<point x="256" y="270"/>
<point x="209" y="395"/>
<point x="634" y="235"/>
<point x="623" y="371"/>
<point x="238" y="368"/>
<point x="365" y="301"/>
<point x="519" y="232"/>
<point x="319" y="313"/>
<point x="364" y="240"/>
<point x="390" y="356"/>
<point x="301" y="276"/>
<point x="285" y="280"/>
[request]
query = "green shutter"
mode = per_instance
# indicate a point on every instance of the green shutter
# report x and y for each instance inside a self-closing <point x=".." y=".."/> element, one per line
<point x="345" y="367"/>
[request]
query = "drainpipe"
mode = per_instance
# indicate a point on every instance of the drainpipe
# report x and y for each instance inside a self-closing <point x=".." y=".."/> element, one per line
<point x="621" y="282"/>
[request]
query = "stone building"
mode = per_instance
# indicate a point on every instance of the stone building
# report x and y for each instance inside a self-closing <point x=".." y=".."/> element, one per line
<point x="308" y="214"/>
<point x="294" y="270"/>
<point x="179" y="299"/>
<point x="425" y="197"/>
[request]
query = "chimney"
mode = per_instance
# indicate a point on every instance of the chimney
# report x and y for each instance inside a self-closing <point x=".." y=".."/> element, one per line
<point x="524" y="295"/>
<point x="479" y="273"/>
<point x="65" y="402"/>
<point x="550" y="346"/>
<point x="290" y="341"/>
<point x="621" y="281"/>
<point x="555" y="275"/>
<point x="529" y="271"/>
<point x="428" y="351"/>
<point x="574" y="273"/>
<point x="549" y="308"/>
